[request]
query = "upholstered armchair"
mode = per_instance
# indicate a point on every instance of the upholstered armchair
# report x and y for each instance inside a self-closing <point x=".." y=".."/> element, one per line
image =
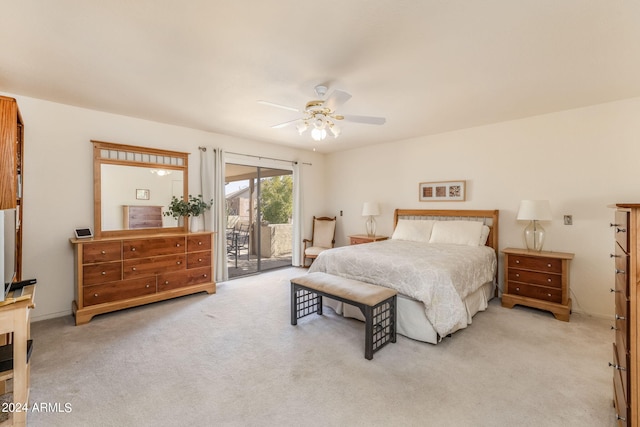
<point x="323" y="237"/>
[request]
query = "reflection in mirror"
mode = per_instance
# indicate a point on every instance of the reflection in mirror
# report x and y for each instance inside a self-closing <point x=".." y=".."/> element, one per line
<point x="131" y="195"/>
<point x="133" y="186"/>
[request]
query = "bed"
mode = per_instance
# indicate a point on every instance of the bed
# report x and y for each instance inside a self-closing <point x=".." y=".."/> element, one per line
<point x="443" y="263"/>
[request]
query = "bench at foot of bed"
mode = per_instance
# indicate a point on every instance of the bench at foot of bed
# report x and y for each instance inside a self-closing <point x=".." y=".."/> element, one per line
<point x="377" y="303"/>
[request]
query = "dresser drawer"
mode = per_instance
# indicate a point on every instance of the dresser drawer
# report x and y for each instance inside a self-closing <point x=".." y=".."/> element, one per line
<point x="198" y="259"/>
<point x="179" y="280"/>
<point x="199" y="243"/>
<point x="153" y="266"/>
<point x="621" y="366"/>
<point x="537" y="292"/>
<point x="535" y="278"/>
<point x="101" y="252"/>
<point x="622" y="270"/>
<point x="621" y="228"/>
<point x="548" y="265"/>
<point x="117" y="291"/>
<point x="157" y="246"/>
<point x="620" y="401"/>
<point x="93" y="274"/>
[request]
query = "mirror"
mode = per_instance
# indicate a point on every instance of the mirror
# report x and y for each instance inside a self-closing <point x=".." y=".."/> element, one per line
<point x="133" y="187"/>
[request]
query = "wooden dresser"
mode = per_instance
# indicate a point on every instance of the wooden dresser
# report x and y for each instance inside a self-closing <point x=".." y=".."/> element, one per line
<point x="625" y="362"/>
<point x="537" y="279"/>
<point x="122" y="272"/>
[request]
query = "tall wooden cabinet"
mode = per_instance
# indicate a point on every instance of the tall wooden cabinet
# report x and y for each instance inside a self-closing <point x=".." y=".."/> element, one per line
<point x="625" y="362"/>
<point x="12" y="170"/>
<point x="113" y="273"/>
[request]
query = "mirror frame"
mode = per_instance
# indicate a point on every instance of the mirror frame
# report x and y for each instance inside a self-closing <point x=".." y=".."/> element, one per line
<point x="131" y="155"/>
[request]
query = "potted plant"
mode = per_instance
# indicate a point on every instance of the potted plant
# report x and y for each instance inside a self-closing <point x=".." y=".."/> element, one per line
<point x="193" y="208"/>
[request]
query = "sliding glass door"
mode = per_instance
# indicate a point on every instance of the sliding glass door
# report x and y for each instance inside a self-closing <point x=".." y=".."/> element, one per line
<point x="259" y="207"/>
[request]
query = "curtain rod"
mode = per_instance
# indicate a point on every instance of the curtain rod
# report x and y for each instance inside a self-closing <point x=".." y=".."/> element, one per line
<point x="261" y="157"/>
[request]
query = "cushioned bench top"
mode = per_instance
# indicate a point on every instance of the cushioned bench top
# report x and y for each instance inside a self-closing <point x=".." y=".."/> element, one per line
<point x="349" y="289"/>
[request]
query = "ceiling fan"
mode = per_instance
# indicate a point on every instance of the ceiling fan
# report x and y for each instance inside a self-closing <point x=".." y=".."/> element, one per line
<point x="320" y="115"/>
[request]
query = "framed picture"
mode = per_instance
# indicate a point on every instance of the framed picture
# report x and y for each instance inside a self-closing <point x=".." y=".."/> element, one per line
<point x="445" y="191"/>
<point x="142" y="194"/>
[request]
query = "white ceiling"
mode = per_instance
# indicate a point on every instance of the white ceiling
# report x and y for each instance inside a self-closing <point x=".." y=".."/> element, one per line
<point x="428" y="66"/>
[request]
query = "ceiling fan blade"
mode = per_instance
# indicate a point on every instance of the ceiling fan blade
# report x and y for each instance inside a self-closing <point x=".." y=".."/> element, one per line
<point x="336" y="99"/>
<point x="273" y="104"/>
<point x="369" y="120"/>
<point x="285" y="124"/>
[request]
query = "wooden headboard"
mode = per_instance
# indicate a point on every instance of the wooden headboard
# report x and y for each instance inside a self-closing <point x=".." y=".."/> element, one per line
<point x="487" y="217"/>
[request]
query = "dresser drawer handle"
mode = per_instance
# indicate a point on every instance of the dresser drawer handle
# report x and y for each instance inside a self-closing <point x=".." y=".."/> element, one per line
<point x="549" y="280"/>
<point x="613" y="290"/>
<point x="199" y="259"/>
<point x="95" y="295"/>
<point x="618" y="367"/>
<point x="621" y="230"/>
<point x="179" y="262"/>
<point x="613" y="225"/>
<point x="614" y="256"/>
<point x="133" y="268"/>
<point x="618" y="417"/>
<point x="166" y="282"/>
<point x="102" y="252"/>
<point x="199" y="243"/>
<point x="549" y="265"/>
<point x="103" y="273"/>
<point x="133" y="249"/>
<point x="204" y="275"/>
<point x="619" y="271"/>
<point x="613" y="328"/>
<point x="147" y="286"/>
<point x="177" y="245"/>
<point x="518" y="289"/>
<point x="620" y="317"/>
<point x="517" y="261"/>
<point x="517" y="274"/>
<point x="549" y="295"/>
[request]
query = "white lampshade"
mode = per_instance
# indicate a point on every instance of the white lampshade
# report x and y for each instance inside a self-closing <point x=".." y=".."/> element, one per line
<point x="370" y="209"/>
<point x="538" y="210"/>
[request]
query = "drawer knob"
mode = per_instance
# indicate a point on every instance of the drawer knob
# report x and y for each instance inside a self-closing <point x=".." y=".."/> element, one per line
<point x="177" y="245"/>
<point x="199" y="259"/>
<point x="618" y="367"/>
<point x="517" y="261"/>
<point x="549" y="295"/>
<point x="166" y="282"/>
<point x="95" y="295"/>
<point x="518" y="289"/>
<point x="618" y="417"/>
<point x="549" y="280"/>
<point x="179" y="262"/>
<point x="204" y="275"/>
<point x="199" y="243"/>
<point x="147" y="286"/>
<point x="133" y="268"/>
<point x="621" y="230"/>
<point x="517" y="274"/>
<point x="619" y="271"/>
<point x="614" y="256"/>
<point x="103" y="273"/>
<point x="620" y="317"/>
<point x="549" y="265"/>
<point x="133" y="249"/>
<point x="613" y="290"/>
<point x="613" y="225"/>
<point x="102" y="252"/>
<point x="613" y="328"/>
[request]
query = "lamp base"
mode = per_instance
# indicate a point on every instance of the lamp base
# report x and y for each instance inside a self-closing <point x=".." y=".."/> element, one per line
<point x="534" y="236"/>
<point x="371" y="226"/>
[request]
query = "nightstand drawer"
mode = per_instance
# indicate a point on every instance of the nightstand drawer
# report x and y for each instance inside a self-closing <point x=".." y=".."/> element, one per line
<point x="550" y="265"/>
<point x="537" y="292"/>
<point x="621" y="227"/>
<point x="535" y="278"/>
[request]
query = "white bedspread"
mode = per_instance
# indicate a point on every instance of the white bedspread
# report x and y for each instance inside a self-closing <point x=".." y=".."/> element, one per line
<point x="439" y="275"/>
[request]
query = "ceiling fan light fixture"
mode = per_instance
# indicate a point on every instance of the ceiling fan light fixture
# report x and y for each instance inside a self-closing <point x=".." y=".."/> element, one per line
<point x="302" y="127"/>
<point x="335" y="131"/>
<point x="318" y="134"/>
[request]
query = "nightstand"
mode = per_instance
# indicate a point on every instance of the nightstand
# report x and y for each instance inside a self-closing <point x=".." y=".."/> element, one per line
<point x="537" y="279"/>
<point x="358" y="239"/>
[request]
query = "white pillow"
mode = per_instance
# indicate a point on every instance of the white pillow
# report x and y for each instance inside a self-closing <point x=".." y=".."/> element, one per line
<point x="484" y="235"/>
<point x="413" y="230"/>
<point x="457" y="232"/>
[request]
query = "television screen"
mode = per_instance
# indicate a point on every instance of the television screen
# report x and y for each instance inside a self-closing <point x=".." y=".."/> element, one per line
<point x="7" y="248"/>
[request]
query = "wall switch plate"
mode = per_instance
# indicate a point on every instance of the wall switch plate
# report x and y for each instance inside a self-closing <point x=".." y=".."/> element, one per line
<point x="568" y="220"/>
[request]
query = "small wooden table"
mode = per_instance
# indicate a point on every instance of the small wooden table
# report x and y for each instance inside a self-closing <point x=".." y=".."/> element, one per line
<point x="358" y="239"/>
<point x="537" y="279"/>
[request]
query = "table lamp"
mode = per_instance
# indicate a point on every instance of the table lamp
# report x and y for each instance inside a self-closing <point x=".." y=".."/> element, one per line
<point x="534" y="211"/>
<point x="370" y="209"/>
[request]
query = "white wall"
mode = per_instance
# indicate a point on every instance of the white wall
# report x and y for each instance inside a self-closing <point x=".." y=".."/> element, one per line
<point x="58" y="182"/>
<point x="580" y="160"/>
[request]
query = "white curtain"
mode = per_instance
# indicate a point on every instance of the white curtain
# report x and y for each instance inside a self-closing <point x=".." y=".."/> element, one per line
<point x="213" y="181"/>
<point x="298" y="228"/>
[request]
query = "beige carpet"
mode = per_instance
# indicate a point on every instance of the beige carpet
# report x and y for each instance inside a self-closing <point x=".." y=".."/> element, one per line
<point x="233" y="359"/>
